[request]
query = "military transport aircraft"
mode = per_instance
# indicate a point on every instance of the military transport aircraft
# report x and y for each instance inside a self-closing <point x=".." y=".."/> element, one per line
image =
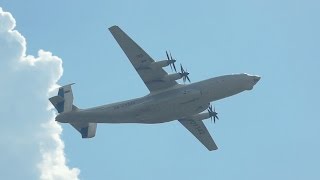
<point x="167" y="100"/>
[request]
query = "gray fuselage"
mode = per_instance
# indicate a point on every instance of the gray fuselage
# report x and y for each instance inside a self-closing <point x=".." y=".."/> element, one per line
<point x="178" y="102"/>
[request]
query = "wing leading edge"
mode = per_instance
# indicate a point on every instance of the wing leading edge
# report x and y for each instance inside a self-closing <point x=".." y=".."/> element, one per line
<point x="199" y="130"/>
<point x="152" y="77"/>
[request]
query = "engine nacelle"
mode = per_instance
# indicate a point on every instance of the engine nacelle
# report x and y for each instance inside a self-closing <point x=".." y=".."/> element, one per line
<point x="159" y="64"/>
<point x="201" y="116"/>
<point x="154" y="65"/>
<point x="172" y="77"/>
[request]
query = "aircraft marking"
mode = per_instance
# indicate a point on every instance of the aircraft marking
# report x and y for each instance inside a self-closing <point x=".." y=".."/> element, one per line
<point x="124" y="105"/>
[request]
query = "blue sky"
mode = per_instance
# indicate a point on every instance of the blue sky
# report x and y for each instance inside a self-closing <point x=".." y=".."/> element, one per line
<point x="271" y="132"/>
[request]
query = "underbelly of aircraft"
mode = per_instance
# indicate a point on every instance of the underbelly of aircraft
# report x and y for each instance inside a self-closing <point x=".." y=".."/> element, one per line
<point x="151" y="112"/>
<point x="169" y="112"/>
<point x="164" y="112"/>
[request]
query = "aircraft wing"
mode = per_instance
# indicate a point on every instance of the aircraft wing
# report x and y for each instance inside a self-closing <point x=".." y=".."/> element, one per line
<point x="199" y="130"/>
<point x="152" y="77"/>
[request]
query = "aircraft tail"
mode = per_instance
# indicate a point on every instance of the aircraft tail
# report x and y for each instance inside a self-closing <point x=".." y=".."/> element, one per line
<point x="63" y="102"/>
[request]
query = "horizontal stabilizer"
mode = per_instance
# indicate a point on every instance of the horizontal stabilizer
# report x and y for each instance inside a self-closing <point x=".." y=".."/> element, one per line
<point x="87" y="130"/>
<point x="57" y="102"/>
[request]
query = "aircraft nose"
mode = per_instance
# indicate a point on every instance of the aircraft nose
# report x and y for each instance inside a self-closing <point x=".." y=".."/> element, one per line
<point x="256" y="79"/>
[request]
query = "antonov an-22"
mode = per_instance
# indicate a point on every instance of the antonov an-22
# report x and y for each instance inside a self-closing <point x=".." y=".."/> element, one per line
<point x="167" y="100"/>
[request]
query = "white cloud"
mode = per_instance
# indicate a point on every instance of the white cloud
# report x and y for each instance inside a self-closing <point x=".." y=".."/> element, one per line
<point x="30" y="142"/>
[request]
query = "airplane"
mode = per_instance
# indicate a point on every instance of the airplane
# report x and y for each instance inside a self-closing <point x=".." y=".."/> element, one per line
<point x="167" y="101"/>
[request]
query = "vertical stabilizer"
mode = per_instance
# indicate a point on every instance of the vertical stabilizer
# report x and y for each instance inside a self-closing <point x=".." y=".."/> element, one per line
<point x="63" y="102"/>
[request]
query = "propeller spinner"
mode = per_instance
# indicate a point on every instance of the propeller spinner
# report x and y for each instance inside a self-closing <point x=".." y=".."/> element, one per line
<point x="213" y="114"/>
<point x="171" y="61"/>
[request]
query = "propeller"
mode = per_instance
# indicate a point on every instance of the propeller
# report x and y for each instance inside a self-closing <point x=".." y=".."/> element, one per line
<point x="171" y="61"/>
<point x="184" y="74"/>
<point x="213" y="113"/>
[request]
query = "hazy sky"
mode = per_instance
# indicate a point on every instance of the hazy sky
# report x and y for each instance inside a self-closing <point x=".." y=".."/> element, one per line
<point x="271" y="132"/>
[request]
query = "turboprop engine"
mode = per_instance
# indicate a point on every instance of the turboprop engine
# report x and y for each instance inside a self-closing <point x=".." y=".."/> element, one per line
<point x="206" y="115"/>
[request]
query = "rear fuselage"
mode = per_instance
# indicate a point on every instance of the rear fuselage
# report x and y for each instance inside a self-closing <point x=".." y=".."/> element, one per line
<point x="177" y="102"/>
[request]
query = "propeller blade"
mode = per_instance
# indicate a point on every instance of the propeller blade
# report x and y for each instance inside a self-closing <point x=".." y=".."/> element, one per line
<point x="167" y="55"/>
<point x="182" y="71"/>
<point x="174" y="67"/>
<point x="188" y="78"/>
<point x="171" y="61"/>
<point x="213" y="114"/>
